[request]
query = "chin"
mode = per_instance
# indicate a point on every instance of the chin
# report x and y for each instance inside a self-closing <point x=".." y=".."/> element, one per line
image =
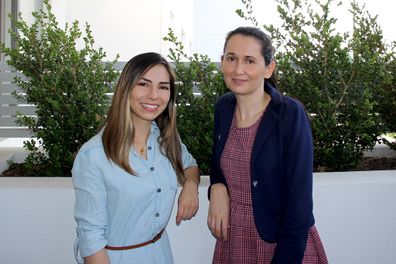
<point x="238" y="89"/>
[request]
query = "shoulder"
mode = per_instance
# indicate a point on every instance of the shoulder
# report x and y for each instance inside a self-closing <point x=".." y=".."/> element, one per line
<point x="283" y="104"/>
<point x="225" y="105"/>
<point x="226" y="99"/>
<point x="292" y="105"/>
<point x="290" y="111"/>
<point x="89" y="159"/>
<point x="92" y="146"/>
<point x="293" y="116"/>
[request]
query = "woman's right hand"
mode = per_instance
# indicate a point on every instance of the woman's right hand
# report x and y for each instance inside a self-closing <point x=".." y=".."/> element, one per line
<point x="99" y="257"/>
<point x="219" y="211"/>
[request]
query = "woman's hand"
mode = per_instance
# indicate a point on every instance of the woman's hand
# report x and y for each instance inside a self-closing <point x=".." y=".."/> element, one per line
<point x="188" y="202"/>
<point x="99" y="257"/>
<point x="219" y="211"/>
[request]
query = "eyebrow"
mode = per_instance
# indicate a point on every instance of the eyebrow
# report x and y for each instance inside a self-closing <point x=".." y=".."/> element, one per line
<point x="245" y="56"/>
<point x="250" y="57"/>
<point x="150" y="81"/>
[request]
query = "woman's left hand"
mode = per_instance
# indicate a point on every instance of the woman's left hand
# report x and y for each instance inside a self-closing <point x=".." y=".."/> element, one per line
<point x="188" y="202"/>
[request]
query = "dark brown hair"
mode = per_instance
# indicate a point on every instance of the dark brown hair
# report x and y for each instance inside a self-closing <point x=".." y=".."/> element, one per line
<point x="267" y="49"/>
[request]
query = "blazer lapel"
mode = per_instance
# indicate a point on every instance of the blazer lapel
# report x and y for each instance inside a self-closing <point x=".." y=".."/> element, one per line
<point x="226" y="113"/>
<point x="269" y="121"/>
<point x="265" y="129"/>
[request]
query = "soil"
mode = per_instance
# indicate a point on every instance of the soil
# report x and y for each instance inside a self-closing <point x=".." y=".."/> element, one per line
<point x="377" y="163"/>
<point x="374" y="163"/>
<point x="13" y="172"/>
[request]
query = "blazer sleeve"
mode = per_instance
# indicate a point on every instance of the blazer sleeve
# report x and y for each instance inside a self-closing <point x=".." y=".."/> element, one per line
<point x="298" y="166"/>
<point x="216" y="175"/>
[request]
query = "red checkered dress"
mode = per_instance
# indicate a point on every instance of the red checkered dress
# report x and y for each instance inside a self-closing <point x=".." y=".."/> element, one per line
<point x="244" y="244"/>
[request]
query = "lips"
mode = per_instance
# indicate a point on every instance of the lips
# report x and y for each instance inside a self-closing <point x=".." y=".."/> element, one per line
<point x="238" y="81"/>
<point x="150" y="107"/>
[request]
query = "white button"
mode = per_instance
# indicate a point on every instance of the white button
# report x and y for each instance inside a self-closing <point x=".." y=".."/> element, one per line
<point x="255" y="183"/>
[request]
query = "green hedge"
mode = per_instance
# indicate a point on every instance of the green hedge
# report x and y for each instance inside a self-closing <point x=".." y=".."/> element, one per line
<point x="195" y="113"/>
<point x="67" y="85"/>
<point x="347" y="83"/>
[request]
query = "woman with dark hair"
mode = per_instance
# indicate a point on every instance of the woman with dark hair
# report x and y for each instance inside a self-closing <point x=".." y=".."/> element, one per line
<point x="261" y="208"/>
<point x="125" y="177"/>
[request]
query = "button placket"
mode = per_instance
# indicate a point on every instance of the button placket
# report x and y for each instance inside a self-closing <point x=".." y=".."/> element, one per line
<point x="152" y="162"/>
<point x="158" y="197"/>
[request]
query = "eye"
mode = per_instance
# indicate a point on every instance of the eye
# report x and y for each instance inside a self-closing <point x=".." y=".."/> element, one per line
<point x="144" y="84"/>
<point x="164" y="87"/>
<point x="250" y="61"/>
<point x="231" y="58"/>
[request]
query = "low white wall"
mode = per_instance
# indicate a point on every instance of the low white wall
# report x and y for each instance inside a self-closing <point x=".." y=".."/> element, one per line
<point x="355" y="214"/>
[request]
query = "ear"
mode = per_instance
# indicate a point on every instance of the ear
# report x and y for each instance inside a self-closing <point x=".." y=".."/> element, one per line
<point x="221" y="63"/>
<point x="269" y="69"/>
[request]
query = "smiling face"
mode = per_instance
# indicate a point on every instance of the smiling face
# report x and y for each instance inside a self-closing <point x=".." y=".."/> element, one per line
<point x="151" y="94"/>
<point x="243" y="65"/>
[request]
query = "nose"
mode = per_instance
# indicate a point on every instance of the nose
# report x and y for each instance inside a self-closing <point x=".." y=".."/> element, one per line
<point x="153" y="94"/>
<point x="239" y="69"/>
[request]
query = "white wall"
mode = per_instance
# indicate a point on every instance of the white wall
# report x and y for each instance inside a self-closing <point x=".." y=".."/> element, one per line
<point x="213" y="19"/>
<point x="128" y="27"/>
<point x="37" y="224"/>
<point x="125" y="27"/>
<point x="26" y="8"/>
<point x="355" y="215"/>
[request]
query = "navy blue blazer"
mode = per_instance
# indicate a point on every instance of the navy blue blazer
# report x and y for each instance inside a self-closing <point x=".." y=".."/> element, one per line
<point x="281" y="172"/>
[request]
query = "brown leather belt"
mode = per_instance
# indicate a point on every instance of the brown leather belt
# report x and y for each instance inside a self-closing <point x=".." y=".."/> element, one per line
<point x="158" y="236"/>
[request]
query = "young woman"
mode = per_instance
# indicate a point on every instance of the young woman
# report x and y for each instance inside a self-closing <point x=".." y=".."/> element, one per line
<point x="125" y="177"/>
<point x="261" y="173"/>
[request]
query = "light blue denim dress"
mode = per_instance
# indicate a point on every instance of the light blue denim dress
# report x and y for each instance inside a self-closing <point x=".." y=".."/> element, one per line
<point x="115" y="208"/>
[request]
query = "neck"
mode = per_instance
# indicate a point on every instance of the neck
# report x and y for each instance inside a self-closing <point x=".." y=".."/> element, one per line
<point x="142" y="131"/>
<point x="140" y="140"/>
<point x="250" y="106"/>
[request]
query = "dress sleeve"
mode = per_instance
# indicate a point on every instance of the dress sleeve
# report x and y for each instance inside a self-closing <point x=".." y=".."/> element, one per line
<point x="90" y="205"/>
<point x="187" y="159"/>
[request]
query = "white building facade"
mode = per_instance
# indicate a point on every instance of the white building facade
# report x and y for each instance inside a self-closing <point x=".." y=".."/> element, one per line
<point x="123" y="27"/>
<point x="129" y="27"/>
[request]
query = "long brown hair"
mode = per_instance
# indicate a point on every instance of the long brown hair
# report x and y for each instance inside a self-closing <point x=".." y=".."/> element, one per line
<point x="118" y="133"/>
